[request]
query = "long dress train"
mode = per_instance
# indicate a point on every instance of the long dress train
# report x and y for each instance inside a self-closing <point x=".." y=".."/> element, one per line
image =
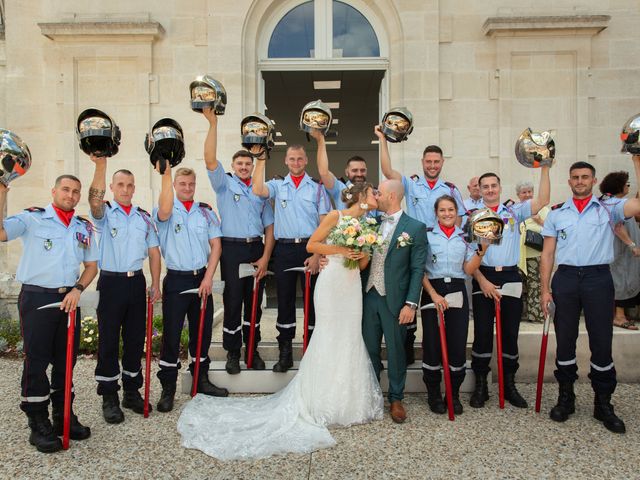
<point x="335" y="385"/>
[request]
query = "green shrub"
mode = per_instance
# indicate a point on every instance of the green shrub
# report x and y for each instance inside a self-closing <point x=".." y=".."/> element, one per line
<point x="10" y="331"/>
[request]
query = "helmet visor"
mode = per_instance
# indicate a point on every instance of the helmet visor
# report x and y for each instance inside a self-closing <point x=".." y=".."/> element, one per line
<point x="255" y="128"/>
<point x="315" y="119"/>
<point x="202" y="93"/>
<point x="166" y="132"/>
<point x="397" y="123"/>
<point x="90" y="125"/>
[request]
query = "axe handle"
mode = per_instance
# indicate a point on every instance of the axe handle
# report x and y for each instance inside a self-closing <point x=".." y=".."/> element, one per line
<point x="68" y="380"/>
<point x="445" y="364"/>
<point x="499" y="353"/>
<point x="196" y="367"/>
<point x="252" y="327"/>
<point x="541" y="363"/>
<point x="307" y="290"/>
<point x="147" y="367"/>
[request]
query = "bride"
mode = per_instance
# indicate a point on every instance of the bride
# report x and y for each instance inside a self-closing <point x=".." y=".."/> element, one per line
<point x="335" y="384"/>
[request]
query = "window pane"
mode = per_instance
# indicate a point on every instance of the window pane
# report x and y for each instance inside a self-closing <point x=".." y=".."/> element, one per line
<point x="293" y="36"/>
<point x="353" y="35"/>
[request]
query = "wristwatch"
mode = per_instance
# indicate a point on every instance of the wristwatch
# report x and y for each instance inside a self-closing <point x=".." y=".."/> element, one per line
<point x="632" y="245"/>
<point x="79" y="286"/>
<point x="411" y="305"/>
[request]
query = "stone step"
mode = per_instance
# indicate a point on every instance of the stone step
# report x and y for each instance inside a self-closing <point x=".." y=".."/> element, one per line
<point x="267" y="381"/>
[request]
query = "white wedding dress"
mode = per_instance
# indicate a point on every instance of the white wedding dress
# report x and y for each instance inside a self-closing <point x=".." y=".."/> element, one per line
<point x="335" y="386"/>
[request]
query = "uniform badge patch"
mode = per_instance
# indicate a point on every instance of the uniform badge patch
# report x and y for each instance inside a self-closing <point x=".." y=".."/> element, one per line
<point x="236" y="197"/>
<point x="563" y="235"/>
<point x="114" y="232"/>
<point x="283" y="203"/>
<point x="177" y="228"/>
<point x="48" y="244"/>
<point x="414" y="200"/>
<point x="83" y="240"/>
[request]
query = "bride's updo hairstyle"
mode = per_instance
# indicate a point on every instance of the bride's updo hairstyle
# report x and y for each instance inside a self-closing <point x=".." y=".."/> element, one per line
<point x="355" y="193"/>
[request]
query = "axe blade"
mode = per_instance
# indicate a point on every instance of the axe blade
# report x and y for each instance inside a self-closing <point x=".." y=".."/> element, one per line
<point x="87" y="300"/>
<point x="217" y="287"/>
<point x="246" y="270"/>
<point x="512" y="289"/>
<point x="296" y="269"/>
<point x="455" y="300"/>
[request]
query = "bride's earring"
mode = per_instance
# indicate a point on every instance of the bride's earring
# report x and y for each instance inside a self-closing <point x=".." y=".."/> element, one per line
<point x="364" y="206"/>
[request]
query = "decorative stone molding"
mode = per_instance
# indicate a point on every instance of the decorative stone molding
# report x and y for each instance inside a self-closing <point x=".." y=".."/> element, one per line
<point x="587" y="25"/>
<point x="101" y="31"/>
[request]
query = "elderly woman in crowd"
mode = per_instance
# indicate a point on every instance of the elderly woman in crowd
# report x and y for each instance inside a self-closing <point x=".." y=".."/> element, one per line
<point x="625" y="268"/>
<point x="529" y="263"/>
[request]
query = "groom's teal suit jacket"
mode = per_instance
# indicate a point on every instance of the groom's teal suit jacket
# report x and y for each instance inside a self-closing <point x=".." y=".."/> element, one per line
<point x="403" y="266"/>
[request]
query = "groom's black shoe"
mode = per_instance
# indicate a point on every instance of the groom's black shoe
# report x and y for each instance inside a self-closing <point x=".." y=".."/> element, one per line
<point x="434" y="398"/>
<point x="233" y="362"/>
<point x="481" y="392"/>
<point x="286" y="357"/>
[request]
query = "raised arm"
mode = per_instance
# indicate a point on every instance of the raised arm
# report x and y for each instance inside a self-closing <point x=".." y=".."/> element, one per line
<point x="211" y="142"/>
<point x="632" y="206"/>
<point x="98" y="187"/>
<point x="259" y="186"/>
<point x="322" y="159"/>
<point x="3" y="202"/>
<point x="544" y="191"/>
<point x="385" y="159"/>
<point x="165" y="201"/>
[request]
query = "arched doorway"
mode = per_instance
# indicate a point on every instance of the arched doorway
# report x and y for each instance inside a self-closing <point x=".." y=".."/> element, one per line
<point x="329" y="50"/>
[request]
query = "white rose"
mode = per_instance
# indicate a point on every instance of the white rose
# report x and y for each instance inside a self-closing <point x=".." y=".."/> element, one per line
<point x="350" y="241"/>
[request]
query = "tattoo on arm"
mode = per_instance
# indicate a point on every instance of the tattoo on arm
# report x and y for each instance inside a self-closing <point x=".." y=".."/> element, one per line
<point x="95" y="202"/>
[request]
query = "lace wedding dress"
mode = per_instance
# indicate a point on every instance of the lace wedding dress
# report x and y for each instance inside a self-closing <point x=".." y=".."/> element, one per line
<point x="335" y="386"/>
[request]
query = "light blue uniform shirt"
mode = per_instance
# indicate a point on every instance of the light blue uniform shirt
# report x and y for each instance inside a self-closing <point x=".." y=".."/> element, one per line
<point x="52" y="252"/>
<point x="421" y="198"/>
<point x="336" y="195"/>
<point x="507" y="254"/>
<point x="243" y="213"/>
<point x="124" y="239"/>
<point x="298" y="210"/>
<point x="184" y="237"/>
<point x="446" y="256"/>
<point x="584" y="238"/>
<point x="470" y="203"/>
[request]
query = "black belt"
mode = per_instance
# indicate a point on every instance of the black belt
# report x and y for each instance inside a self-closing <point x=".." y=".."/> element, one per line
<point x="242" y="240"/>
<point x="453" y="280"/>
<point x="603" y="266"/>
<point x="36" y="289"/>
<point x="293" y="240"/>
<point x="107" y="273"/>
<point x="484" y="268"/>
<point x="191" y="273"/>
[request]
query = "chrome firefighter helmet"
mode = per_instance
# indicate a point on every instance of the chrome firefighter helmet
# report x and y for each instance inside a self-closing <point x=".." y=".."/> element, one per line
<point x="397" y="124"/>
<point x="536" y="149"/>
<point x="97" y="133"/>
<point x="206" y="91"/>
<point x="165" y="143"/>
<point x="316" y="115"/>
<point x="630" y="134"/>
<point x="257" y="129"/>
<point x="15" y="158"/>
<point x="484" y="226"/>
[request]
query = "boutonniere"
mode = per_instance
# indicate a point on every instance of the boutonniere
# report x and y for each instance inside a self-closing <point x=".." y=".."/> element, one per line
<point x="403" y="240"/>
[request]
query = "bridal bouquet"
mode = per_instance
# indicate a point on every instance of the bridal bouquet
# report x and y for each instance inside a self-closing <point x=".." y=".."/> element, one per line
<point x="362" y="235"/>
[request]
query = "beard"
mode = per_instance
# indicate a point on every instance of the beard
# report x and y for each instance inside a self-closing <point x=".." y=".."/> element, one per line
<point x="358" y="179"/>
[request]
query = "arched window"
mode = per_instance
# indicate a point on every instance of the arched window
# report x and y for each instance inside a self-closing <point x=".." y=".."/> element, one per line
<point x="323" y="29"/>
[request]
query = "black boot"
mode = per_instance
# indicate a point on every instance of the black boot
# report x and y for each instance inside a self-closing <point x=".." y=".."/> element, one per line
<point x="111" y="408"/>
<point x="77" y="430"/>
<point x="132" y="400"/>
<point x="285" y="361"/>
<point x="42" y="435"/>
<point x="511" y="394"/>
<point x="603" y="411"/>
<point x="207" y="388"/>
<point x="481" y="392"/>
<point x="455" y="396"/>
<point x="165" y="404"/>
<point x="233" y="362"/>
<point x="434" y="398"/>
<point x="257" y="362"/>
<point x="566" y="403"/>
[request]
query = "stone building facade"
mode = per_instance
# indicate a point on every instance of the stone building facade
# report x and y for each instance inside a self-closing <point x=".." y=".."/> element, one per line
<point x="474" y="74"/>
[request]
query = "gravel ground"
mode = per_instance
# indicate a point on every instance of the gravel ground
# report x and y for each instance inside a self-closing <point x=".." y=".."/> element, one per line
<point x="486" y="443"/>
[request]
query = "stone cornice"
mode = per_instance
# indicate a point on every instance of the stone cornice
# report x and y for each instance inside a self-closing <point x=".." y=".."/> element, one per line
<point x="102" y="31"/>
<point x="587" y="25"/>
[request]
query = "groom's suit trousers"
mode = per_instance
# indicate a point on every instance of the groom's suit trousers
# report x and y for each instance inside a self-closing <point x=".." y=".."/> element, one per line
<point x="377" y="321"/>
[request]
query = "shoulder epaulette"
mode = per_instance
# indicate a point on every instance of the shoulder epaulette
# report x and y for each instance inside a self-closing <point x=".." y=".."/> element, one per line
<point x="107" y="203"/>
<point x="34" y="209"/>
<point x="415" y="177"/>
<point x="429" y="229"/>
<point x="315" y="179"/>
<point x="343" y="180"/>
<point x="470" y="211"/>
<point x="83" y="219"/>
<point x="230" y="174"/>
<point x="604" y="197"/>
<point x="557" y="205"/>
<point x="144" y="211"/>
<point x="87" y="224"/>
<point x="277" y="177"/>
<point x="204" y="205"/>
<point x="508" y="203"/>
<point x="450" y="185"/>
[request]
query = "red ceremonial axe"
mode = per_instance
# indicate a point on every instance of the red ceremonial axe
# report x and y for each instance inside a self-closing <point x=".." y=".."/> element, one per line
<point x="307" y="289"/>
<point x="218" y="287"/>
<point x="551" y="310"/>
<point x="248" y="270"/>
<point x="454" y="300"/>
<point x="511" y="289"/>
<point x="147" y="367"/>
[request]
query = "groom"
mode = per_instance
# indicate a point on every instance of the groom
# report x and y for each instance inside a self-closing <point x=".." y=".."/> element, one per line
<point x="393" y="281"/>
